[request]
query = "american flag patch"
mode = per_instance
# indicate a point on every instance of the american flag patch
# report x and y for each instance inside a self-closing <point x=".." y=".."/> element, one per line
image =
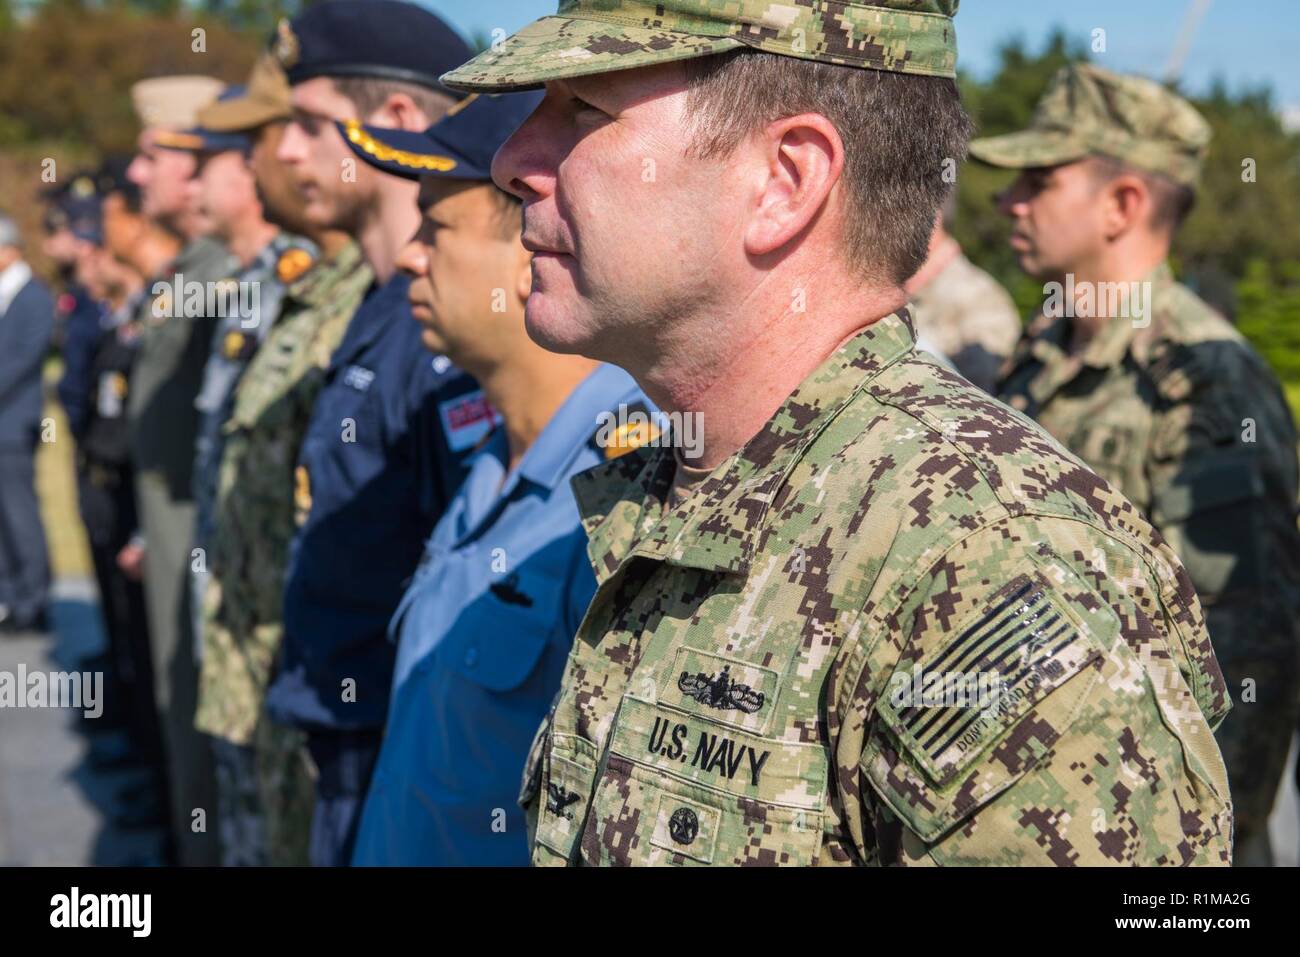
<point x="996" y="667"/>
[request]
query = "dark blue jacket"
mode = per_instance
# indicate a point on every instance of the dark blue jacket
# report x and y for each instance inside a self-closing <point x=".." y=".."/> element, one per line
<point x="81" y="335"/>
<point x="381" y="457"/>
<point x="25" y="332"/>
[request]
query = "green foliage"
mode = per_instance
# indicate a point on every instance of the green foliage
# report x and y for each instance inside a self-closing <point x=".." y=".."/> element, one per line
<point x="1240" y="248"/>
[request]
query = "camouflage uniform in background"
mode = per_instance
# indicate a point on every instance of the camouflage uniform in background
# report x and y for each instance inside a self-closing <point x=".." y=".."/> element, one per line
<point x="1177" y="411"/>
<point x="270" y="789"/>
<point x="746" y="685"/>
<point x="967" y="316"/>
<point x="234" y="343"/>
<point x="1190" y="423"/>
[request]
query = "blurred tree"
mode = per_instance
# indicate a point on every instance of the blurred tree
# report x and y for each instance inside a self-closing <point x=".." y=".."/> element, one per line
<point x="66" y="74"/>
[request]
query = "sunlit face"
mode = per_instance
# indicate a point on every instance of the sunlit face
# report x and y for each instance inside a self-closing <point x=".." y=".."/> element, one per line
<point x="334" y="184"/>
<point x="121" y="227"/>
<point x="1056" y="214"/>
<point x="163" y="176"/>
<point x="468" y="272"/>
<point x="60" y="246"/>
<point x="627" y="231"/>
<point x="224" y="190"/>
<point x="282" y="201"/>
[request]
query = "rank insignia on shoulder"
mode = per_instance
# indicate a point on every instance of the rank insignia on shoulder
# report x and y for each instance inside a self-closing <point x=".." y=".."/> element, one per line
<point x="292" y="264"/>
<point x="301" y="494"/>
<point x="720" y="691"/>
<point x="557" y="799"/>
<point x="233" y="345"/>
<point x="626" y="430"/>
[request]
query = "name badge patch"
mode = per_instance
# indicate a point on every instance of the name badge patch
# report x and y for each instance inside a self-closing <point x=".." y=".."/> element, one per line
<point x="718" y="756"/>
<point x="358" y="378"/>
<point x="466" y="420"/>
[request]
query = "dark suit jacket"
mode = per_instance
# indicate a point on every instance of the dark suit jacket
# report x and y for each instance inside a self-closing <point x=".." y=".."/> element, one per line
<point x="25" y="331"/>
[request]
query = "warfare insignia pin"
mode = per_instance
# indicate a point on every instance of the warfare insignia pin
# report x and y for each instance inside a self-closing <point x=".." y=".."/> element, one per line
<point x="720" y="691"/>
<point x="683" y="825"/>
<point x="557" y="799"/>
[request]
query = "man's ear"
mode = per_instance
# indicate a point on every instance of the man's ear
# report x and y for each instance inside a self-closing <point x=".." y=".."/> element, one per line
<point x="1127" y="205"/>
<point x="803" y="159"/>
<point x="399" y="112"/>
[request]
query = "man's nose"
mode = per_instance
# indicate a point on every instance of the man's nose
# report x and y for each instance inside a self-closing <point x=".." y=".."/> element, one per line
<point x="291" y="147"/>
<point x="1010" y="201"/>
<point x="523" y="166"/>
<point x="413" y="260"/>
<point x="136" y="171"/>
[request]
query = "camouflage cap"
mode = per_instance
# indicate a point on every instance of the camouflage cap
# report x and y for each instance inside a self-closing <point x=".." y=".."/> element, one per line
<point x="1088" y="111"/>
<point x="600" y="36"/>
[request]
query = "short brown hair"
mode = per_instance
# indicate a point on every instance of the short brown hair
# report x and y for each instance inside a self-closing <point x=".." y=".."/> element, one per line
<point x="370" y="93"/>
<point x="1170" y="202"/>
<point x="901" y="132"/>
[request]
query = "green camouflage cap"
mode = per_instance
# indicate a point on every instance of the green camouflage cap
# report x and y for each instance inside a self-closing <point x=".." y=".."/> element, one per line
<point x="1087" y="111"/>
<point x="600" y="36"/>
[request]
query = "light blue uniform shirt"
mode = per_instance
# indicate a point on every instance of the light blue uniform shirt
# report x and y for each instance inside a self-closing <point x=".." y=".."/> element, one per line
<point x="483" y="633"/>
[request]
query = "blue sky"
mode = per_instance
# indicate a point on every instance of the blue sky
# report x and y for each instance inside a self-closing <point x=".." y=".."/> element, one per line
<point x="1247" y="42"/>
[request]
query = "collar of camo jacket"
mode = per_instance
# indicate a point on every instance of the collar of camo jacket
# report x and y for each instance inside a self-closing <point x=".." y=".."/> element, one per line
<point x="623" y="503"/>
<point x="1109" y="346"/>
<point x="586" y="37"/>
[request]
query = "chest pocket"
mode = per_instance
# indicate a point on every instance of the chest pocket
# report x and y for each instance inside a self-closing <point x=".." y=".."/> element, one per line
<point x="682" y="789"/>
<point x="500" y="638"/>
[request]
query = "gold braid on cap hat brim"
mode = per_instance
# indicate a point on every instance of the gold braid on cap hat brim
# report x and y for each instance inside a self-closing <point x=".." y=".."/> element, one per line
<point x="372" y="147"/>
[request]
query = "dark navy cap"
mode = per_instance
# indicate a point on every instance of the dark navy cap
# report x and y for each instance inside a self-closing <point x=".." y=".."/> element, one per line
<point x="75" y="206"/>
<point x="382" y="39"/>
<point x="199" y="139"/>
<point x="459" y="146"/>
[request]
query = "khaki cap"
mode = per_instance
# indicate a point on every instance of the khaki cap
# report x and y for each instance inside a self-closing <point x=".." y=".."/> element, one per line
<point x="173" y="102"/>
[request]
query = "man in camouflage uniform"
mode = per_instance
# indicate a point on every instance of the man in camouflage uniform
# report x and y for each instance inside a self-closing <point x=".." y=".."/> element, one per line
<point x="1158" y="393"/>
<point x="750" y="684"/>
<point x="264" y="783"/>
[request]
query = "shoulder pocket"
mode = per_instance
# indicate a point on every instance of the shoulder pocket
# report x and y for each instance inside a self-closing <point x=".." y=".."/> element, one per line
<point x="967" y="720"/>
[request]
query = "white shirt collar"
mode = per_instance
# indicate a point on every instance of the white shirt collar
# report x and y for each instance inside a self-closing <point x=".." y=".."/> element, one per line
<point x="12" y="281"/>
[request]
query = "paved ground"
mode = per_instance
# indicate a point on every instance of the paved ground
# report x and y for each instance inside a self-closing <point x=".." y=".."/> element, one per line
<point x="58" y="801"/>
